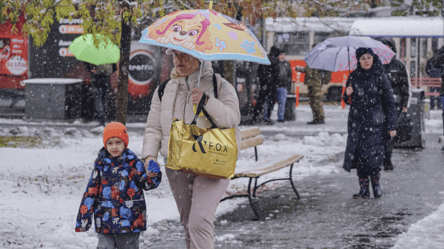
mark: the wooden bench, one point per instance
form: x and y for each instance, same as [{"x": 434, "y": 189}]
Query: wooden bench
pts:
[
  {"x": 252, "y": 138},
  {"x": 427, "y": 82}
]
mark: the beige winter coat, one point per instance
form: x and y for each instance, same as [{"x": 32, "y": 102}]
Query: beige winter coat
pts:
[{"x": 176, "y": 104}]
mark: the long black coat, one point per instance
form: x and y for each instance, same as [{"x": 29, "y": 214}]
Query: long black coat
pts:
[
  {"x": 372, "y": 113},
  {"x": 399, "y": 80}
]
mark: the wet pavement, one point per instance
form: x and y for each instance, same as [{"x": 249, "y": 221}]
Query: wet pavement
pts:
[{"x": 326, "y": 216}]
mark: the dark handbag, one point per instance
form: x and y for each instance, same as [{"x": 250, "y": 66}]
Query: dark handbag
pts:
[{"x": 404, "y": 128}]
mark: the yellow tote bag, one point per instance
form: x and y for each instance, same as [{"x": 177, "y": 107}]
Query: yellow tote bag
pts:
[{"x": 211, "y": 152}]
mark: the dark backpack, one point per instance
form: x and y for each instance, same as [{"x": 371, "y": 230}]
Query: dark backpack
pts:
[{"x": 163, "y": 85}]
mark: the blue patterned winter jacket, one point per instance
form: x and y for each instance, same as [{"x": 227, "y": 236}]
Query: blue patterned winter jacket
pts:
[{"x": 115, "y": 195}]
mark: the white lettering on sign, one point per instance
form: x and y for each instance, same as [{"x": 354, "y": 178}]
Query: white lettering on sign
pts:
[
  {"x": 63, "y": 43},
  {"x": 18, "y": 40},
  {"x": 17, "y": 65},
  {"x": 16, "y": 46},
  {"x": 71, "y": 29},
  {"x": 141, "y": 67},
  {"x": 73, "y": 21},
  {"x": 15, "y": 51}
]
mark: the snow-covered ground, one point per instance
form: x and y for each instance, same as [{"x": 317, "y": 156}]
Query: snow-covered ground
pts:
[{"x": 41, "y": 187}]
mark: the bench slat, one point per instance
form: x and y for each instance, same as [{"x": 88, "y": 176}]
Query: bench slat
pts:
[
  {"x": 251, "y": 142},
  {"x": 277, "y": 166},
  {"x": 250, "y": 132}
]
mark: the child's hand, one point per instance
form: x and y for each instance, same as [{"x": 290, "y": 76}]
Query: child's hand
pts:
[{"x": 153, "y": 168}]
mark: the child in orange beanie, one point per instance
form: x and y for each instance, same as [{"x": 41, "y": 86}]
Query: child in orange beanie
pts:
[{"x": 114, "y": 193}]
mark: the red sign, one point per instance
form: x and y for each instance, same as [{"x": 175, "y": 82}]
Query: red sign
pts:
[
  {"x": 336, "y": 77},
  {"x": 13, "y": 55}
]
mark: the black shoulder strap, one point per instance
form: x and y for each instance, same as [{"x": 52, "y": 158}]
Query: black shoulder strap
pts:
[
  {"x": 215, "y": 85},
  {"x": 161, "y": 89},
  {"x": 163, "y": 85}
]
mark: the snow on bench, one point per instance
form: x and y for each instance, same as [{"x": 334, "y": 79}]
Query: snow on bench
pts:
[{"x": 252, "y": 137}]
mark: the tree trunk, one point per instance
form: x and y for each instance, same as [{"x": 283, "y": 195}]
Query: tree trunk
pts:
[
  {"x": 228, "y": 71},
  {"x": 122, "y": 92}
]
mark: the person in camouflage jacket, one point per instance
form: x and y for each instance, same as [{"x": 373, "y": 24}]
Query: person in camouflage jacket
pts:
[{"x": 314, "y": 79}]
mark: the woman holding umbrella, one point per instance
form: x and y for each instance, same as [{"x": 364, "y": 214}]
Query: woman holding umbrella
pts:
[
  {"x": 372, "y": 113},
  {"x": 195, "y": 38},
  {"x": 196, "y": 196}
]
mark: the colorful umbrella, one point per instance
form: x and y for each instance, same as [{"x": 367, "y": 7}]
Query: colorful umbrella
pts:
[
  {"x": 206, "y": 35},
  {"x": 84, "y": 49},
  {"x": 338, "y": 54}
]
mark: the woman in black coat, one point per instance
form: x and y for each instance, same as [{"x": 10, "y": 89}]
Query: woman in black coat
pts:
[{"x": 372, "y": 113}]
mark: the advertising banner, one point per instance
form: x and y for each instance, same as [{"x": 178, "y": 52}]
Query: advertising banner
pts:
[
  {"x": 53, "y": 59},
  {"x": 13, "y": 55},
  {"x": 144, "y": 67}
]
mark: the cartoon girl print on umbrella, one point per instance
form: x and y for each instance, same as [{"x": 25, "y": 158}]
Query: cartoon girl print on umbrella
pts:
[
  {"x": 187, "y": 30},
  {"x": 206, "y": 35}
]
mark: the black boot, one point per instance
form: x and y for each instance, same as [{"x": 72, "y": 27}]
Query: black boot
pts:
[
  {"x": 316, "y": 121},
  {"x": 364, "y": 192},
  {"x": 376, "y": 175},
  {"x": 388, "y": 164}
]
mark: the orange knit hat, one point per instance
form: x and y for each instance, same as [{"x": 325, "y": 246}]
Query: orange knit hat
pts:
[{"x": 115, "y": 129}]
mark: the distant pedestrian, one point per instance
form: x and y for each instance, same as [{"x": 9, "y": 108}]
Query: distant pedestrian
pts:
[
  {"x": 400, "y": 81},
  {"x": 268, "y": 77},
  {"x": 372, "y": 114},
  {"x": 101, "y": 87},
  {"x": 314, "y": 79},
  {"x": 434, "y": 70},
  {"x": 284, "y": 85},
  {"x": 114, "y": 195},
  {"x": 439, "y": 62}
]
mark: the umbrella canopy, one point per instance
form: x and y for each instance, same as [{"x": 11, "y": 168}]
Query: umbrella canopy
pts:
[
  {"x": 84, "y": 49},
  {"x": 338, "y": 54},
  {"x": 206, "y": 35}
]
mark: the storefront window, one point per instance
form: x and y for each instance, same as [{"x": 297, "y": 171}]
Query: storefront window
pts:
[
  {"x": 296, "y": 43},
  {"x": 321, "y": 36},
  {"x": 412, "y": 69},
  {"x": 434, "y": 44},
  {"x": 424, "y": 48},
  {"x": 413, "y": 47},
  {"x": 403, "y": 50}
]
